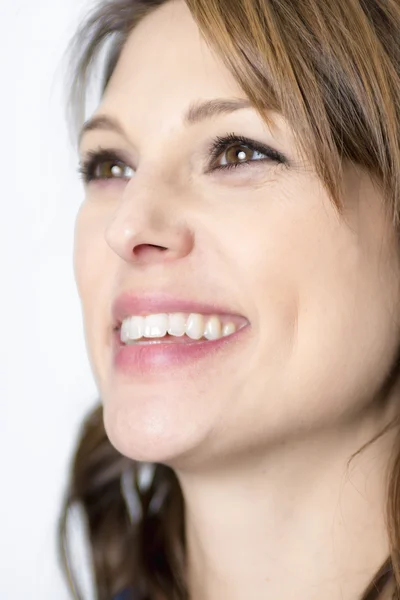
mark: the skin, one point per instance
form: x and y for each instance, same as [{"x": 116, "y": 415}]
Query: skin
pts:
[{"x": 260, "y": 438}]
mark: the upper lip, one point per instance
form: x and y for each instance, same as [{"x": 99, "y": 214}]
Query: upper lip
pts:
[{"x": 130, "y": 303}]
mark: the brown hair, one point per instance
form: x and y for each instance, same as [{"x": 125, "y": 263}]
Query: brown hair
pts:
[{"x": 332, "y": 69}]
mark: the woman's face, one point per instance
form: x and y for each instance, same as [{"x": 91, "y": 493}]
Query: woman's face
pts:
[{"x": 262, "y": 240}]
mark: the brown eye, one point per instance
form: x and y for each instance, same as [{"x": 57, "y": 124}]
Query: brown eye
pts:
[
  {"x": 104, "y": 165},
  {"x": 239, "y": 153},
  {"x": 233, "y": 151},
  {"x": 108, "y": 169}
]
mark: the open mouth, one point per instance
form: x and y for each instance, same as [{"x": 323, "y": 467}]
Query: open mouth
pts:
[
  {"x": 178, "y": 327},
  {"x": 168, "y": 352}
]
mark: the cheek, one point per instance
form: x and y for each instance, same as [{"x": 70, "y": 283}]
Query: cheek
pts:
[
  {"x": 92, "y": 277},
  {"x": 80, "y": 249},
  {"x": 88, "y": 249},
  {"x": 323, "y": 304},
  {"x": 345, "y": 339}
]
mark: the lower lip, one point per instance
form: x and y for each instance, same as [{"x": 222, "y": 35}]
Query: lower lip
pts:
[{"x": 145, "y": 358}]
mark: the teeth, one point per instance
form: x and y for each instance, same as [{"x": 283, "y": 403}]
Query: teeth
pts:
[
  {"x": 155, "y": 326},
  {"x": 213, "y": 329},
  {"x": 136, "y": 328},
  {"x": 177, "y": 324},
  {"x": 125, "y": 331},
  {"x": 194, "y": 326},
  {"x": 228, "y": 328}
]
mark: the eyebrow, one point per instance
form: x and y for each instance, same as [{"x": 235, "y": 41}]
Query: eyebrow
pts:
[{"x": 197, "y": 112}]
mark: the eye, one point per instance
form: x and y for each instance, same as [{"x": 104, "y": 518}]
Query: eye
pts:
[
  {"x": 239, "y": 153},
  {"x": 235, "y": 150},
  {"x": 104, "y": 165}
]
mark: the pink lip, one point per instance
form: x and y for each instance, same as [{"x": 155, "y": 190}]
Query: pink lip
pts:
[{"x": 161, "y": 357}]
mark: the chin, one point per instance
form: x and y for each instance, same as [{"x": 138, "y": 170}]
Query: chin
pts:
[{"x": 150, "y": 436}]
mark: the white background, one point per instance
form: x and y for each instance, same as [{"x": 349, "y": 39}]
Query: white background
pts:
[{"x": 46, "y": 384}]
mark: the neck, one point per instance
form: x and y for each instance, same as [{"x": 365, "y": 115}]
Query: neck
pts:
[{"x": 298, "y": 523}]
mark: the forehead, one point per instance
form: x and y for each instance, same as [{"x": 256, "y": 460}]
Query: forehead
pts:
[{"x": 166, "y": 65}]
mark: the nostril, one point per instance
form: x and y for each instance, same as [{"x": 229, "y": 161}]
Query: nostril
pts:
[{"x": 143, "y": 249}]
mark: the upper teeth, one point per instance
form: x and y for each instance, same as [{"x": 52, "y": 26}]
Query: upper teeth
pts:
[{"x": 194, "y": 325}]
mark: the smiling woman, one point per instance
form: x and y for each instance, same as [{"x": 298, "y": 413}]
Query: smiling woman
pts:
[{"x": 237, "y": 260}]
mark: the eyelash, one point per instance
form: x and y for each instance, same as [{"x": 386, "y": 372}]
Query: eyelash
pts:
[{"x": 93, "y": 158}]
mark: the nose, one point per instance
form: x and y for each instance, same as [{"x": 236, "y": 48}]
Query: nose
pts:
[{"x": 149, "y": 225}]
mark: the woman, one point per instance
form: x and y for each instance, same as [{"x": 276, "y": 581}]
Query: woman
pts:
[{"x": 237, "y": 258}]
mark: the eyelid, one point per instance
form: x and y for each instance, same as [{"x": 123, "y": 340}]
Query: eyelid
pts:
[
  {"x": 222, "y": 144},
  {"x": 111, "y": 151},
  {"x": 93, "y": 157}
]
